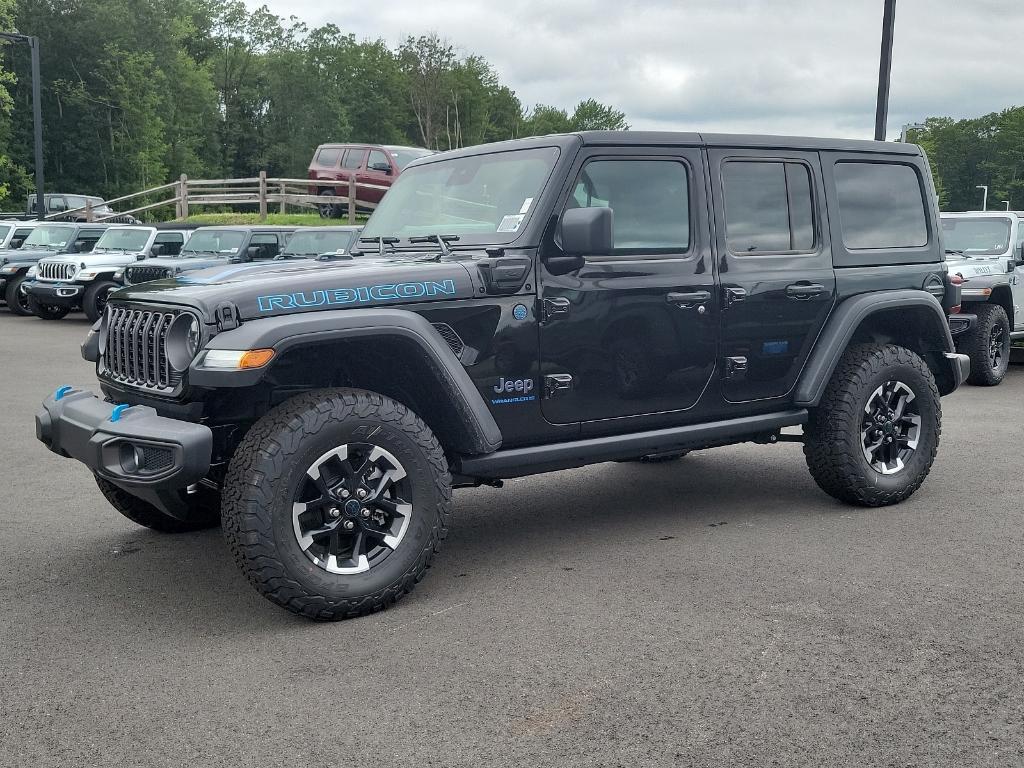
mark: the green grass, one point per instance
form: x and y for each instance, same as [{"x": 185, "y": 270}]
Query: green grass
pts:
[{"x": 282, "y": 219}]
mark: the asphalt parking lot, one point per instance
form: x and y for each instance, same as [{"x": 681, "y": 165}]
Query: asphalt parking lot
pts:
[{"x": 714, "y": 611}]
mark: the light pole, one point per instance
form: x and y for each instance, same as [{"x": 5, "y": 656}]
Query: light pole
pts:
[
  {"x": 37, "y": 113},
  {"x": 884, "y": 70},
  {"x": 984, "y": 199}
]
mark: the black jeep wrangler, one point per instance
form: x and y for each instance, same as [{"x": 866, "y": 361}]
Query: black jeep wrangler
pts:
[{"x": 520, "y": 308}]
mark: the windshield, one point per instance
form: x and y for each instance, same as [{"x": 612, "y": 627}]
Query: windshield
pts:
[
  {"x": 405, "y": 156},
  {"x": 49, "y": 236},
  {"x": 124, "y": 239},
  {"x": 989, "y": 236},
  {"x": 481, "y": 198},
  {"x": 315, "y": 243},
  {"x": 224, "y": 241}
]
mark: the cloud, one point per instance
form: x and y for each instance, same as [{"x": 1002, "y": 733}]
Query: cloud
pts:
[{"x": 759, "y": 66}]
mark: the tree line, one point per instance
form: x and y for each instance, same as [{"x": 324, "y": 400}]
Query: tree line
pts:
[
  {"x": 986, "y": 150},
  {"x": 136, "y": 92}
]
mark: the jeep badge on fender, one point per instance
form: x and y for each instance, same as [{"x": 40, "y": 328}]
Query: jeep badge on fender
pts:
[{"x": 323, "y": 413}]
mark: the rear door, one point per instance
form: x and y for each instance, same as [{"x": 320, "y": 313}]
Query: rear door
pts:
[
  {"x": 775, "y": 261},
  {"x": 352, "y": 164},
  {"x": 634, "y": 332}
]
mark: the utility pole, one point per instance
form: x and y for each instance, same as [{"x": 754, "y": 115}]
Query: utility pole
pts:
[
  {"x": 984, "y": 199},
  {"x": 37, "y": 113},
  {"x": 884, "y": 70}
]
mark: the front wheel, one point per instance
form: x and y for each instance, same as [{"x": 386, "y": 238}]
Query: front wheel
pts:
[
  {"x": 988, "y": 346},
  {"x": 95, "y": 299},
  {"x": 47, "y": 311},
  {"x": 17, "y": 300},
  {"x": 335, "y": 502},
  {"x": 873, "y": 437}
]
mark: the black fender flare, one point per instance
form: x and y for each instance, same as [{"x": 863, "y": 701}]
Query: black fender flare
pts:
[
  {"x": 282, "y": 333},
  {"x": 844, "y": 322}
]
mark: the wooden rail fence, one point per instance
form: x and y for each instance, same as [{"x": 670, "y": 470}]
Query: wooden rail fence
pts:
[{"x": 259, "y": 191}]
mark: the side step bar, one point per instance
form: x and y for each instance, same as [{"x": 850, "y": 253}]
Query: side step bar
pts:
[{"x": 533, "y": 460}]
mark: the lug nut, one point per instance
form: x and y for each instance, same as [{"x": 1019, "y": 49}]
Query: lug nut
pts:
[
  {"x": 344, "y": 493},
  {"x": 349, "y": 525},
  {"x": 335, "y": 512},
  {"x": 364, "y": 512},
  {"x": 361, "y": 493}
]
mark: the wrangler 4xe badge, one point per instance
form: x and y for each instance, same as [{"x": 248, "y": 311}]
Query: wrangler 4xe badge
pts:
[
  {"x": 515, "y": 391},
  {"x": 360, "y": 295}
]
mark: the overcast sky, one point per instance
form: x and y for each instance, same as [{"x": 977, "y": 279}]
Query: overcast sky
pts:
[{"x": 780, "y": 66}]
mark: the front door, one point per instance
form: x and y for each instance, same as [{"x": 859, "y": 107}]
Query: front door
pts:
[
  {"x": 775, "y": 265},
  {"x": 634, "y": 332}
]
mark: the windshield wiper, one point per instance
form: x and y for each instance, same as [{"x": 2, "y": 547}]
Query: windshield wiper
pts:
[
  {"x": 381, "y": 242},
  {"x": 441, "y": 240},
  {"x": 957, "y": 252}
]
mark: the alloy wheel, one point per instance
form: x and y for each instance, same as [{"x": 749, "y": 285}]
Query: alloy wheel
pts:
[
  {"x": 891, "y": 427},
  {"x": 351, "y": 508}
]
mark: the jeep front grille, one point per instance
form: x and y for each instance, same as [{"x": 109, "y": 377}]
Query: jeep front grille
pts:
[
  {"x": 143, "y": 274},
  {"x": 57, "y": 270},
  {"x": 136, "y": 348}
]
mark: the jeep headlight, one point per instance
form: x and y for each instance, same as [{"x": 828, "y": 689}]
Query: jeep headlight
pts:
[
  {"x": 119, "y": 275},
  {"x": 33, "y": 272},
  {"x": 184, "y": 338}
]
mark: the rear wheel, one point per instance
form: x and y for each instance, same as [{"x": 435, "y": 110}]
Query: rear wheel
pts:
[
  {"x": 17, "y": 301},
  {"x": 988, "y": 345},
  {"x": 873, "y": 437},
  {"x": 204, "y": 514},
  {"x": 47, "y": 311},
  {"x": 327, "y": 209},
  {"x": 95, "y": 299},
  {"x": 335, "y": 502}
]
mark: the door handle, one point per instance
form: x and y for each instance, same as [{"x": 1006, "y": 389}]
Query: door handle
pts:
[
  {"x": 804, "y": 290},
  {"x": 686, "y": 300}
]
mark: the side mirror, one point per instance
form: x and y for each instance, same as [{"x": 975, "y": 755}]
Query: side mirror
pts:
[
  {"x": 156, "y": 250},
  {"x": 252, "y": 253},
  {"x": 587, "y": 232},
  {"x": 381, "y": 167}
]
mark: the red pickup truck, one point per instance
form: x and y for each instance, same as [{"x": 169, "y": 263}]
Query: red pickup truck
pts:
[{"x": 372, "y": 165}]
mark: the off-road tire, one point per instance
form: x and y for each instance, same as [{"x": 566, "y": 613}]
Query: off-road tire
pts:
[
  {"x": 205, "y": 513},
  {"x": 90, "y": 300},
  {"x": 17, "y": 302},
  {"x": 975, "y": 344},
  {"x": 270, "y": 462},
  {"x": 47, "y": 311},
  {"x": 833, "y": 444}
]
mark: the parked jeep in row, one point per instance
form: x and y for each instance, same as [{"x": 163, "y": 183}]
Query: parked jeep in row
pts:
[
  {"x": 985, "y": 252},
  {"x": 212, "y": 247},
  {"x": 46, "y": 240},
  {"x": 57, "y": 285},
  {"x": 324, "y": 412}
]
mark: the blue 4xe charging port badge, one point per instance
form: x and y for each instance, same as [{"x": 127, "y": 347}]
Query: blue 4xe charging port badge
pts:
[{"x": 520, "y": 312}]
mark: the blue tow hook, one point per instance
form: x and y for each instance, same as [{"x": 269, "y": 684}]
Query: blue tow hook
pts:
[
  {"x": 115, "y": 415},
  {"x": 61, "y": 391}
]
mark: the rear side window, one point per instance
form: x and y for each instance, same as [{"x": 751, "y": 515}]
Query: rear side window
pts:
[
  {"x": 353, "y": 159},
  {"x": 328, "y": 157},
  {"x": 881, "y": 205},
  {"x": 768, "y": 207},
  {"x": 650, "y": 200}
]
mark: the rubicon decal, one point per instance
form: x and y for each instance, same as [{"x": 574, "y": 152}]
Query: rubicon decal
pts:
[{"x": 360, "y": 295}]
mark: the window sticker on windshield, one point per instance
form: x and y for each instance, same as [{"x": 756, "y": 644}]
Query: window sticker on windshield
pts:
[
  {"x": 511, "y": 223},
  {"x": 526, "y": 205}
]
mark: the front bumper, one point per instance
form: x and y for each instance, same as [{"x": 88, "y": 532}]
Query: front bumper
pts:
[
  {"x": 960, "y": 365},
  {"x": 60, "y": 294},
  {"x": 149, "y": 456}
]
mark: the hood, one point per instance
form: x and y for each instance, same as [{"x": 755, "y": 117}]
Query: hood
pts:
[
  {"x": 282, "y": 288},
  {"x": 27, "y": 255},
  {"x": 183, "y": 264},
  {"x": 976, "y": 267},
  {"x": 92, "y": 259}
]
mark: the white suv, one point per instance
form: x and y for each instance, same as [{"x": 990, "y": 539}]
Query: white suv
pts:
[{"x": 61, "y": 284}]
